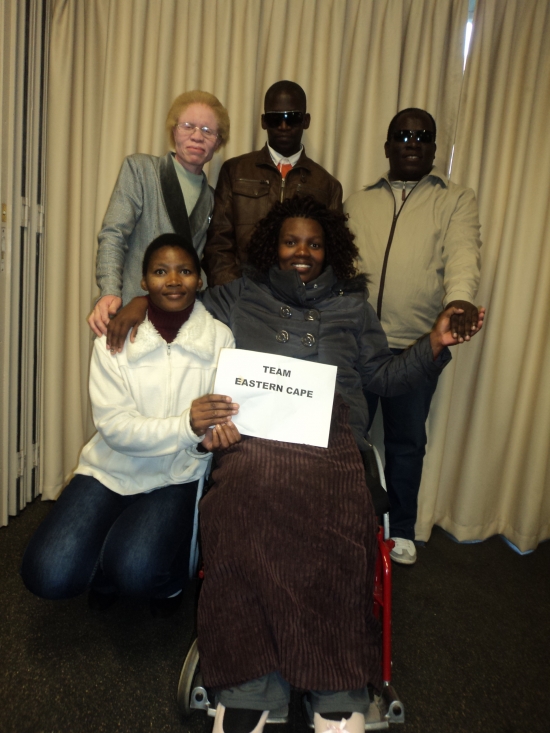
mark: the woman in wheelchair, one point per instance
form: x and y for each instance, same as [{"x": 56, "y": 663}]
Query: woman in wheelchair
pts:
[{"x": 288, "y": 530}]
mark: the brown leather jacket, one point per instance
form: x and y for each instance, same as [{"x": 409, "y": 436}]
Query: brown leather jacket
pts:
[{"x": 248, "y": 186}]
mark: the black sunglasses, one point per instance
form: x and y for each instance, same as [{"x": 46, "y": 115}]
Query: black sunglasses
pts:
[
  {"x": 292, "y": 119},
  {"x": 421, "y": 136}
]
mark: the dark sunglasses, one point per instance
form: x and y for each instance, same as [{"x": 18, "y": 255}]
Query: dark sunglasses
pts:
[
  {"x": 421, "y": 136},
  {"x": 292, "y": 119}
]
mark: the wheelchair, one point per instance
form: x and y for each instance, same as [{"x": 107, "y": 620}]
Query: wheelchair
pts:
[{"x": 387, "y": 708}]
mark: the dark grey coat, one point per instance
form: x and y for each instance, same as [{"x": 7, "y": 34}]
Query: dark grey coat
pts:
[{"x": 325, "y": 321}]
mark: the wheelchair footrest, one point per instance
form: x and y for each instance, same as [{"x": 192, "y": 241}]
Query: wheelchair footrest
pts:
[
  {"x": 390, "y": 706},
  {"x": 201, "y": 701},
  {"x": 386, "y": 708}
]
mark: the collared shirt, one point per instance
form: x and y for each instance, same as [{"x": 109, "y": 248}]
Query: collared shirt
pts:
[{"x": 278, "y": 158}]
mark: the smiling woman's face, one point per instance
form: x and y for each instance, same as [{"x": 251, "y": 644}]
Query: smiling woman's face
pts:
[
  {"x": 172, "y": 279},
  {"x": 302, "y": 247}
]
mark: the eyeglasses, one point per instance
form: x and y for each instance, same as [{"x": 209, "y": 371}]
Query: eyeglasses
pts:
[
  {"x": 189, "y": 128},
  {"x": 292, "y": 119},
  {"x": 420, "y": 136}
]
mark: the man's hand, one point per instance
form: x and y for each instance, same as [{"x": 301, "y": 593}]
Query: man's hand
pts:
[
  {"x": 221, "y": 436},
  {"x": 210, "y": 410},
  {"x": 105, "y": 308},
  {"x": 464, "y": 323},
  {"x": 442, "y": 333},
  {"x": 129, "y": 317}
]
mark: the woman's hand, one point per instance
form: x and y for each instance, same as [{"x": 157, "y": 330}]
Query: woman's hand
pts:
[
  {"x": 129, "y": 317},
  {"x": 105, "y": 309},
  {"x": 210, "y": 410},
  {"x": 444, "y": 332},
  {"x": 221, "y": 436}
]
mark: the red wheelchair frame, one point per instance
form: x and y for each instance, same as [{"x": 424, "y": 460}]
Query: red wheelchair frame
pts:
[{"x": 390, "y": 706}]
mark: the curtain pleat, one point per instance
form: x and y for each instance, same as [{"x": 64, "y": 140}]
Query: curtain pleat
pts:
[
  {"x": 487, "y": 468},
  {"x": 115, "y": 67}
]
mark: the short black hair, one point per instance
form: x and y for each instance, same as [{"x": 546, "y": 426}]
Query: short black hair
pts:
[
  {"x": 411, "y": 110},
  {"x": 170, "y": 240},
  {"x": 340, "y": 250},
  {"x": 285, "y": 86}
]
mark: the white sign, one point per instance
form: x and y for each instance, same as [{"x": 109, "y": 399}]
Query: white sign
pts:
[{"x": 279, "y": 398}]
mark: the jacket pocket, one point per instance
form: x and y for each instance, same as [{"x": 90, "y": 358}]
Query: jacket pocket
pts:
[
  {"x": 251, "y": 188},
  {"x": 251, "y": 202}
]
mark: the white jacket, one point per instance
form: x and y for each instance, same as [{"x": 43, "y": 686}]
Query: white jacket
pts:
[{"x": 141, "y": 400}]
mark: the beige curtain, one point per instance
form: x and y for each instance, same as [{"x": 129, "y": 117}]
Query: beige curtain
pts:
[
  {"x": 487, "y": 469},
  {"x": 116, "y": 66}
]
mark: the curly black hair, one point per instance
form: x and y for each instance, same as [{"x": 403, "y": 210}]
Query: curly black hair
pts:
[{"x": 340, "y": 251}]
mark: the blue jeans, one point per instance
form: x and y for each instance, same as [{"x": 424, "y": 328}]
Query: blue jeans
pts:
[
  {"x": 138, "y": 545},
  {"x": 405, "y": 441},
  {"x": 272, "y": 692}
]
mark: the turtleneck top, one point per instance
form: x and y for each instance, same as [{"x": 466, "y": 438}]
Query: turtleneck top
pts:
[{"x": 167, "y": 323}]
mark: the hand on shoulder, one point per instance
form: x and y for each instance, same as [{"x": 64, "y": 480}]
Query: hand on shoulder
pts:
[
  {"x": 105, "y": 309},
  {"x": 128, "y": 318}
]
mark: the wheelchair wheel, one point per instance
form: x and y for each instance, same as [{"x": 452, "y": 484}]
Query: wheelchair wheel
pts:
[{"x": 188, "y": 678}]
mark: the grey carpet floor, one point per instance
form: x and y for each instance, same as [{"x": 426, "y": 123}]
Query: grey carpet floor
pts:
[{"x": 471, "y": 648}]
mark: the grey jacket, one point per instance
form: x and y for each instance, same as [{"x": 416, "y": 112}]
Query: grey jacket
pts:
[
  {"x": 420, "y": 257},
  {"x": 328, "y": 322},
  {"x": 147, "y": 201}
]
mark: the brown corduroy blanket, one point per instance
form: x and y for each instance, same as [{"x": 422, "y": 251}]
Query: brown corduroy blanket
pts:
[{"x": 289, "y": 545}]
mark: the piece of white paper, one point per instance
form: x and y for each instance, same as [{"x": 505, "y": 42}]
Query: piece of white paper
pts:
[{"x": 279, "y": 398}]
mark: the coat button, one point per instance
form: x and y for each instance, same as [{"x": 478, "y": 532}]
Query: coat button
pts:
[
  {"x": 311, "y": 315},
  {"x": 308, "y": 339},
  {"x": 285, "y": 312},
  {"x": 282, "y": 337}
]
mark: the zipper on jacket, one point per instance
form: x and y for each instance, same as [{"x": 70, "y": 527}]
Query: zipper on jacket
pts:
[
  {"x": 388, "y": 247},
  {"x": 169, "y": 352}
]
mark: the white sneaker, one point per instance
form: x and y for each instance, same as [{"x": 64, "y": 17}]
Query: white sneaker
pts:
[
  {"x": 404, "y": 551},
  {"x": 354, "y": 724}
]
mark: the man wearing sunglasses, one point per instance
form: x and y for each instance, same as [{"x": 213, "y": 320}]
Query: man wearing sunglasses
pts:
[
  {"x": 250, "y": 184},
  {"x": 418, "y": 237}
]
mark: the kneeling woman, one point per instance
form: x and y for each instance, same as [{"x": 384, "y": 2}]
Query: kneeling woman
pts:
[
  {"x": 125, "y": 521},
  {"x": 288, "y": 530}
]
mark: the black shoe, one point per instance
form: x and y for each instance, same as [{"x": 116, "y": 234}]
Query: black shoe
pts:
[
  {"x": 165, "y": 607},
  {"x": 101, "y": 601}
]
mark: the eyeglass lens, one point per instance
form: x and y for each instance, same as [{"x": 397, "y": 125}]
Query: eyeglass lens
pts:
[
  {"x": 421, "y": 136},
  {"x": 189, "y": 127},
  {"x": 292, "y": 119}
]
